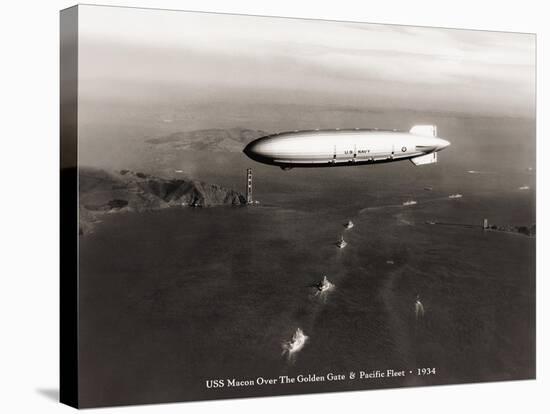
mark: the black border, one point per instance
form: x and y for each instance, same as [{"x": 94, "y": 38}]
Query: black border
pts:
[{"x": 68, "y": 286}]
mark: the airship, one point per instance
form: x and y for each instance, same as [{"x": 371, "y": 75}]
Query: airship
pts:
[{"x": 346, "y": 147}]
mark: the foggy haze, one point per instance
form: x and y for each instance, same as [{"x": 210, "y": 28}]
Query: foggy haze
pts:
[
  {"x": 149, "y": 73},
  {"x": 129, "y": 54}
]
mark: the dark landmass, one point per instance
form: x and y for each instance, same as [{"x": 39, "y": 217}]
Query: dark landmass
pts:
[
  {"x": 526, "y": 230},
  {"x": 530, "y": 230},
  {"x": 232, "y": 140},
  {"x": 102, "y": 192}
]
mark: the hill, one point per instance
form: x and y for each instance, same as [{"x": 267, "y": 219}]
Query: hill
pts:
[
  {"x": 102, "y": 192},
  {"x": 231, "y": 140}
]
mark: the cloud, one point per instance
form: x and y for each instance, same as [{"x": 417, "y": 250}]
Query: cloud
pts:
[{"x": 398, "y": 65}]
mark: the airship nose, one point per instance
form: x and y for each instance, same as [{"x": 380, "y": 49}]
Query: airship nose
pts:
[
  {"x": 248, "y": 149},
  {"x": 254, "y": 151}
]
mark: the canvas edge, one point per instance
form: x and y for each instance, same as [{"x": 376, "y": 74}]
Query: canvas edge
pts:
[{"x": 68, "y": 283}]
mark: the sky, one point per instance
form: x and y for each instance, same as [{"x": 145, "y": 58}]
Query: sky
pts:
[{"x": 156, "y": 56}]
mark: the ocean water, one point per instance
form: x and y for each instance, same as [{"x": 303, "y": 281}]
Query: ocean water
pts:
[{"x": 173, "y": 298}]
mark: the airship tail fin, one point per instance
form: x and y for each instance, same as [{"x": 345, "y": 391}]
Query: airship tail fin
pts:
[
  {"x": 424, "y": 130},
  {"x": 425, "y": 159}
]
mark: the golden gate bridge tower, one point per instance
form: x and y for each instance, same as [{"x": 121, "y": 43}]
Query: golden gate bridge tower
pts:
[{"x": 249, "y": 186}]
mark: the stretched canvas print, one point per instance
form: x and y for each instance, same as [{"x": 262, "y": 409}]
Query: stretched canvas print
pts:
[{"x": 256, "y": 206}]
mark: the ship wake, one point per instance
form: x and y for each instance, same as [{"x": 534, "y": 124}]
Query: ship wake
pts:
[
  {"x": 295, "y": 345},
  {"x": 323, "y": 288},
  {"x": 418, "y": 309}
]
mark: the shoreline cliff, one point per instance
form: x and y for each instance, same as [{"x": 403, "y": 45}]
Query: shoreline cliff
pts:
[{"x": 102, "y": 192}]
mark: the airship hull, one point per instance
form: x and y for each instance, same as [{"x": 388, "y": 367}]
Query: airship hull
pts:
[{"x": 332, "y": 148}]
